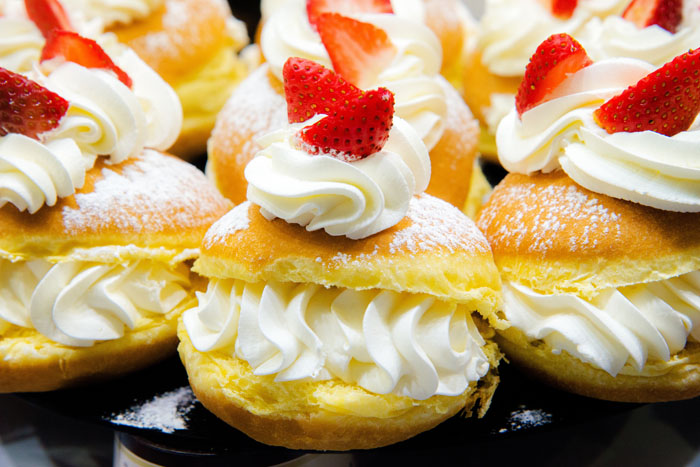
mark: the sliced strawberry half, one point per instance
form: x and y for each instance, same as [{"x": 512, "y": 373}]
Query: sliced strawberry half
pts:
[
  {"x": 47, "y": 15},
  {"x": 315, "y": 8},
  {"x": 311, "y": 89},
  {"x": 358, "y": 51},
  {"x": 559, "y": 56},
  {"x": 354, "y": 132},
  {"x": 81, "y": 50},
  {"x": 664, "y": 13},
  {"x": 27, "y": 107},
  {"x": 666, "y": 101},
  {"x": 562, "y": 9}
]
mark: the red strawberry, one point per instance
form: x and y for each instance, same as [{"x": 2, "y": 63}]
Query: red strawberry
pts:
[
  {"x": 26, "y": 107},
  {"x": 563, "y": 9},
  {"x": 555, "y": 59},
  {"x": 354, "y": 132},
  {"x": 311, "y": 89},
  {"x": 47, "y": 15},
  {"x": 315, "y": 8},
  {"x": 666, "y": 101},
  {"x": 82, "y": 51},
  {"x": 359, "y": 51},
  {"x": 665, "y": 13}
]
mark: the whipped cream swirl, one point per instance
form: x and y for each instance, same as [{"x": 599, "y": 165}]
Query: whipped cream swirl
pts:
[
  {"x": 104, "y": 118},
  {"x": 81, "y": 303},
  {"x": 384, "y": 341},
  {"x": 20, "y": 44},
  {"x": 644, "y": 167},
  {"x": 619, "y": 330},
  {"x": 355, "y": 199},
  {"x": 413, "y": 75}
]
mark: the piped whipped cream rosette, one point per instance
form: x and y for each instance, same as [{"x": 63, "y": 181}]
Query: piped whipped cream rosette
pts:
[
  {"x": 87, "y": 105},
  {"x": 511, "y": 30},
  {"x": 406, "y": 59},
  {"x": 618, "y": 127},
  {"x": 339, "y": 314}
]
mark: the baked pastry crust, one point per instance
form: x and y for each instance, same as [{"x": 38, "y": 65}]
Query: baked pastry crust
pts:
[{"x": 257, "y": 106}]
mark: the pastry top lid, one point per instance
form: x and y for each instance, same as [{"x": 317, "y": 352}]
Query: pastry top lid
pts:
[
  {"x": 552, "y": 234},
  {"x": 435, "y": 249},
  {"x": 151, "y": 205}
]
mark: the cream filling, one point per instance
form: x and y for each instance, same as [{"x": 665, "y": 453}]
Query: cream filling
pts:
[
  {"x": 620, "y": 330},
  {"x": 80, "y": 303},
  {"x": 386, "y": 342}
]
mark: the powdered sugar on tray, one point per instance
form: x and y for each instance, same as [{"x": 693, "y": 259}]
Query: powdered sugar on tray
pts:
[
  {"x": 235, "y": 220},
  {"x": 437, "y": 225},
  {"x": 166, "y": 412},
  {"x": 523, "y": 418},
  {"x": 540, "y": 215},
  {"x": 152, "y": 192}
]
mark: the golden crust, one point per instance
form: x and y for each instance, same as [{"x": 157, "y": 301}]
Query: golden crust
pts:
[
  {"x": 109, "y": 211},
  {"x": 554, "y": 236},
  {"x": 680, "y": 379},
  {"x": 257, "y": 106},
  {"x": 435, "y": 249},
  {"x": 297, "y": 414},
  {"x": 30, "y": 362}
]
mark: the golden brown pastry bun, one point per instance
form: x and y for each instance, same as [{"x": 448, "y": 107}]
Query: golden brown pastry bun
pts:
[
  {"x": 554, "y": 237},
  {"x": 257, "y": 106},
  {"x": 435, "y": 250},
  {"x": 191, "y": 45},
  {"x": 152, "y": 209}
]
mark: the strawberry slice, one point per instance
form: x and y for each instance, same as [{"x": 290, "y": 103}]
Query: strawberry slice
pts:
[
  {"x": 664, "y": 13},
  {"x": 562, "y": 9},
  {"x": 47, "y": 15},
  {"x": 81, "y": 50},
  {"x": 315, "y": 8},
  {"x": 311, "y": 89},
  {"x": 354, "y": 132},
  {"x": 358, "y": 51},
  {"x": 27, "y": 107},
  {"x": 666, "y": 101},
  {"x": 555, "y": 59}
]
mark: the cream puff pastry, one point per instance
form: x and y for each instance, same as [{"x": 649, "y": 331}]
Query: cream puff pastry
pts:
[{"x": 92, "y": 287}]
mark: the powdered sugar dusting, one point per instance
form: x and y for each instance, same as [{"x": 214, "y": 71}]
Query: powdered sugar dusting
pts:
[
  {"x": 437, "y": 225},
  {"x": 235, "y": 220},
  {"x": 152, "y": 193},
  {"x": 524, "y": 418},
  {"x": 522, "y": 211},
  {"x": 167, "y": 412},
  {"x": 252, "y": 111}
]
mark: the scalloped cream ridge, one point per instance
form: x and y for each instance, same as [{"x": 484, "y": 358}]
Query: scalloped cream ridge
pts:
[
  {"x": 386, "y": 342},
  {"x": 78, "y": 303},
  {"x": 412, "y": 75},
  {"x": 644, "y": 167},
  {"x": 355, "y": 199},
  {"x": 619, "y": 330}
]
